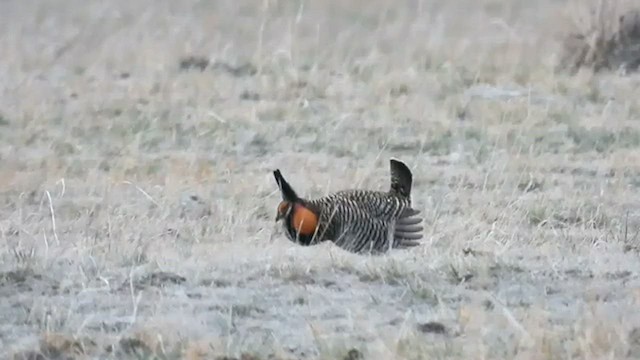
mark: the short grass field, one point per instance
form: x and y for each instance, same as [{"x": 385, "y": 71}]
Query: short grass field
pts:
[{"x": 137, "y": 201}]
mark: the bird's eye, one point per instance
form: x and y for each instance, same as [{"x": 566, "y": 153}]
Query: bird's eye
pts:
[{"x": 282, "y": 207}]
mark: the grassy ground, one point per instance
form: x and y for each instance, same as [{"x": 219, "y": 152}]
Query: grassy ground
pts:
[{"x": 137, "y": 200}]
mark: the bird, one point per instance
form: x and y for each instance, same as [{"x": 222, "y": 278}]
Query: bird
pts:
[{"x": 356, "y": 220}]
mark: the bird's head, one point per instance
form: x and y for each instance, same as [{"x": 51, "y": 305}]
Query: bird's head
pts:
[{"x": 294, "y": 210}]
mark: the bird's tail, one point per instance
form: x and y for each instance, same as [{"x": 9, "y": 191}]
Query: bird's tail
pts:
[{"x": 401, "y": 178}]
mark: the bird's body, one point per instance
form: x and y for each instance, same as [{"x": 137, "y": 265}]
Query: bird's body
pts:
[{"x": 356, "y": 220}]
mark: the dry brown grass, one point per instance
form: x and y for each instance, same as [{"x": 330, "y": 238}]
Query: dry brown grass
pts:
[
  {"x": 137, "y": 140},
  {"x": 606, "y": 36}
]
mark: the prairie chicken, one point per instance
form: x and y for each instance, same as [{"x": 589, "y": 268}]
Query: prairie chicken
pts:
[{"x": 358, "y": 221}]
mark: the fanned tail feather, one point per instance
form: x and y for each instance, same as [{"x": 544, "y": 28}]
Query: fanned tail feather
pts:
[
  {"x": 408, "y": 229},
  {"x": 401, "y": 178}
]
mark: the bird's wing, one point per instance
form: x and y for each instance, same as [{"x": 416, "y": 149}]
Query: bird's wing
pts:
[{"x": 356, "y": 230}]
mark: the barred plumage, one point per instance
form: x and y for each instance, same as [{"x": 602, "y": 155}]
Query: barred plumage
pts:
[{"x": 356, "y": 220}]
